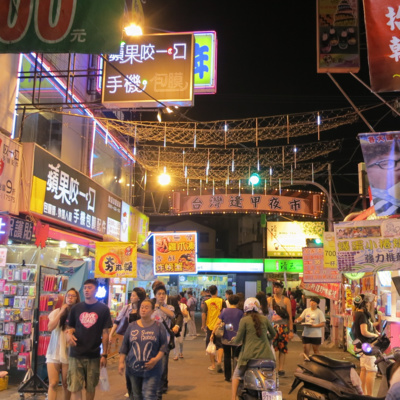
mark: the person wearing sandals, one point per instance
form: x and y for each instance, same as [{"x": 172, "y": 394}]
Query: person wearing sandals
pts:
[
  {"x": 143, "y": 347},
  {"x": 253, "y": 332},
  {"x": 178, "y": 350},
  {"x": 57, "y": 352}
]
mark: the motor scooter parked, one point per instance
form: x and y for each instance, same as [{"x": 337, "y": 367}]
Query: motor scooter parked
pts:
[
  {"x": 324, "y": 378},
  {"x": 260, "y": 381}
]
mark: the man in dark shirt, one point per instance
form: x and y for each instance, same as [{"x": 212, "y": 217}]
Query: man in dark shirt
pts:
[{"x": 88, "y": 323}]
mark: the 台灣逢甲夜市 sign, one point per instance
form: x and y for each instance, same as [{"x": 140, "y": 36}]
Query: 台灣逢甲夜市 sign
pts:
[
  {"x": 61, "y": 193},
  {"x": 182, "y": 204},
  {"x": 150, "y": 67},
  {"x": 67, "y": 26}
]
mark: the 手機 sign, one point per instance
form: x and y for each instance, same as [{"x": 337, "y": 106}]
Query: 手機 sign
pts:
[{"x": 150, "y": 71}]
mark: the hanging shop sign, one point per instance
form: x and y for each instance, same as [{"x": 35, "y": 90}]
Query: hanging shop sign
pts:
[
  {"x": 276, "y": 265},
  {"x": 329, "y": 250},
  {"x": 134, "y": 227},
  {"x": 368, "y": 246},
  {"x": 287, "y": 239},
  {"x": 115, "y": 260},
  {"x": 150, "y": 71},
  {"x": 338, "y": 47},
  {"x": 175, "y": 253},
  {"x": 382, "y": 22},
  {"x": 70, "y": 26},
  {"x": 314, "y": 269},
  {"x": 58, "y": 192},
  {"x": 235, "y": 203},
  {"x": 205, "y": 62},
  {"x": 381, "y": 152},
  {"x": 10, "y": 174},
  {"x": 328, "y": 290}
]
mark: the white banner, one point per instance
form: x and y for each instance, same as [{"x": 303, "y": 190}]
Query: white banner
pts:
[{"x": 10, "y": 174}]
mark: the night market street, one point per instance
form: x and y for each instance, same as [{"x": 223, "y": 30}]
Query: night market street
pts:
[{"x": 189, "y": 377}]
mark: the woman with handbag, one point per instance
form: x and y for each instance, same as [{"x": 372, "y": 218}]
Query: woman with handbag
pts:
[
  {"x": 144, "y": 346},
  {"x": 229, "y": 320},
  {"x": 129, "y": 313}
]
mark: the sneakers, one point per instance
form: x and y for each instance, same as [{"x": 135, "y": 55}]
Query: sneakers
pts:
[{"x": 219, "y": 368}]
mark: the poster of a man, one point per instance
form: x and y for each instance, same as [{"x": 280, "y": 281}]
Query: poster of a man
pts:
[{"x": 381, "y": 153}]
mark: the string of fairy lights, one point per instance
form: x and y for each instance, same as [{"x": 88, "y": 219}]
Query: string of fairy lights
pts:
[{"x": 225, "y": 153}]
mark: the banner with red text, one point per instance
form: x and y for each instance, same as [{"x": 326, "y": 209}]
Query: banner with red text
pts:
[
  {"x": 175, "y": 253},
  {"x": 328, "y": 290},
  {"x": 382, "y": 22}
]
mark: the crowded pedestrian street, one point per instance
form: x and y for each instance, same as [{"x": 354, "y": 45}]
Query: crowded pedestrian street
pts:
[{"x": 189, "y": 377}]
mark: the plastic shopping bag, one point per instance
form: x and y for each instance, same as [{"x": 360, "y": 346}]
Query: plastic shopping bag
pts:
[
  {"x": 211, "y": 349},
  {"x": 104, "y": 384}
]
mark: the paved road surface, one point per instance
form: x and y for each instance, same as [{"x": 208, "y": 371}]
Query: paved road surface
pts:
[{"x": 190, "y": 378}]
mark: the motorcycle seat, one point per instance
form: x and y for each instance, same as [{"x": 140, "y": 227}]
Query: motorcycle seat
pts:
[
  {"x": 331, "y": 363},
  {"x": 261, "y": 363}
]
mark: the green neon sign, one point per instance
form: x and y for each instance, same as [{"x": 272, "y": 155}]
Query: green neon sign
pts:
[{"x": 276, "y": 265}]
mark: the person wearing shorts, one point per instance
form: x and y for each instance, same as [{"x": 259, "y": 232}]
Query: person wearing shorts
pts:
[
  {"x": 88, "y": 324},
  {"x": 364, "y": 330},
  {"x": 314, "y": 321},
  {"x": 211, "y": 310}
]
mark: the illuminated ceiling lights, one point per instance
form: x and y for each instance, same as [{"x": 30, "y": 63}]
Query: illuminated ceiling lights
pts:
[
  {"x": 133, "y": 18},
  {"x": 164, "y": 179},
  {"x": 254, "y": 179}
]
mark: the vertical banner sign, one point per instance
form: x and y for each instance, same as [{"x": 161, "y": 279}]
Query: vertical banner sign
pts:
[
  {"x": 175, "y": 253},
  {"x": 115, "y": 260},
  {"x": 64, "y": 26},
  {"x": 338, "y": 47},
  {"x": 10, "y": 174},
  {"x": 381, "y": 153},
  {"x": 150, "y": 67},
  {"x": 313, "y": 267},
  {"x": 382, "y": 22},
  {"x": 329, "y": 250}
]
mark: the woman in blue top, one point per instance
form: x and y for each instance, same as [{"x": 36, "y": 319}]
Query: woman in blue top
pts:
[
  {"x": 144, "y": 345},
  {"x": 231, "y": 317}
]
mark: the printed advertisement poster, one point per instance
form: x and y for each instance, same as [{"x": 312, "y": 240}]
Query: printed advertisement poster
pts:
[
  {"x": 338, "y": 42},
  {"x": 10, "y": 174},
  {"x": 382, "y": 22},
  {"x": 287, "y": 239},
  {"x": 381, "y": 152},
  {"x": 115, "y": 260},
  {"x": 175, "y": 253},
  {"x": 368, "y": 246},
  {"x": 314, "y": 269}
]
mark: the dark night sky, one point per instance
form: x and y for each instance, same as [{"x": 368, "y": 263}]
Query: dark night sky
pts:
[{"x": 267, "y": 66}]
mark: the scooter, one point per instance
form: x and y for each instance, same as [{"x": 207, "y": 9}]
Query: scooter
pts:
[
  {"x": 324, "y": 378},
  {"x": 260, "y": 381}
]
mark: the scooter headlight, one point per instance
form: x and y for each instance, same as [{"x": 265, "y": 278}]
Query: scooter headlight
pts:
[{"x": 270, "y": 385}]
